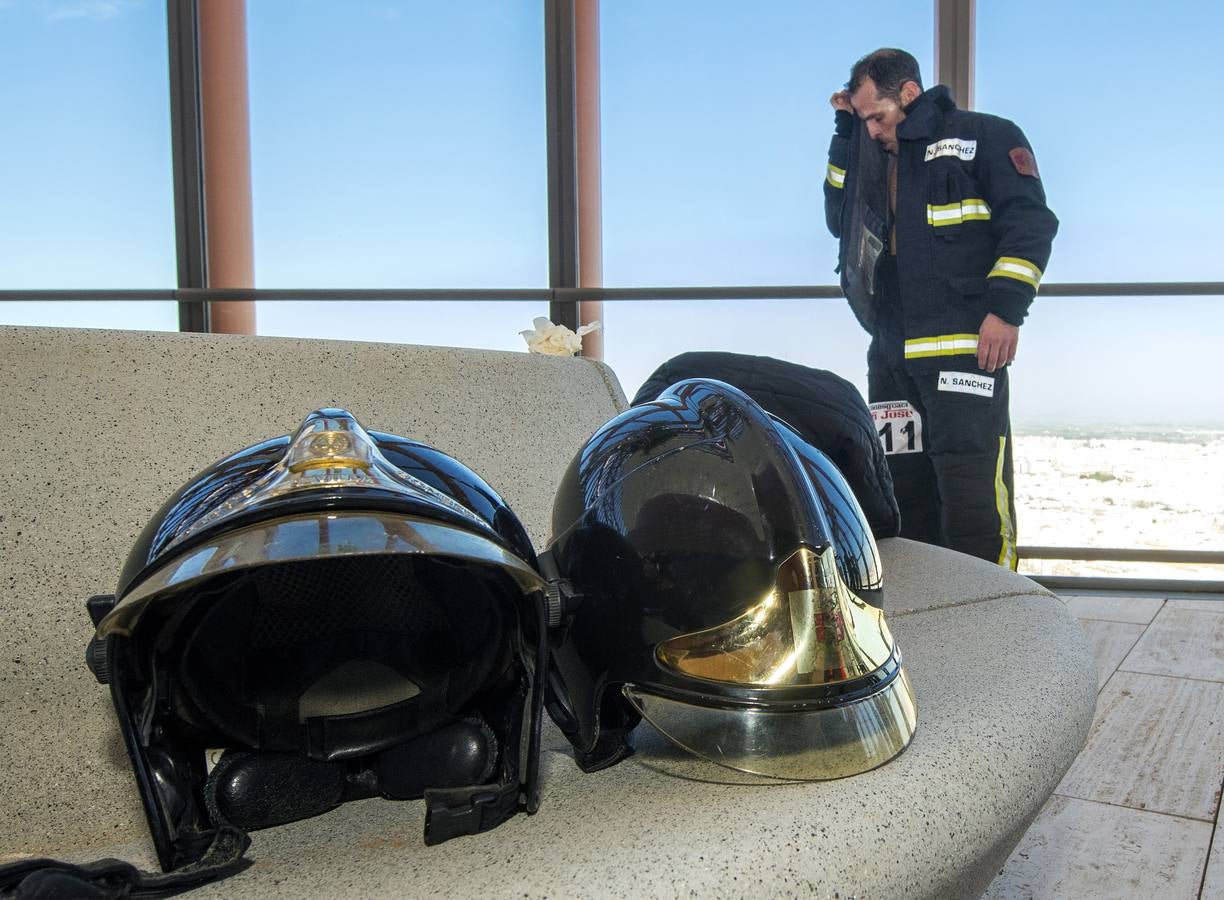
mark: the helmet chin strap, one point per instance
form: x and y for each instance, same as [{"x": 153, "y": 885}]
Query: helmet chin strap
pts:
[
  {"x": 470, "y": 810},
  {"x": 539, "y": 689},
  {"x": 113, "y": 878}
]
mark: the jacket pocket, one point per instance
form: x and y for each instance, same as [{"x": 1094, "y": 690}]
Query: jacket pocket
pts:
[
  {"x": 967, "y": 286},
  {"x": 956, "y": 209},
  {"x": 944, "y": 206}
]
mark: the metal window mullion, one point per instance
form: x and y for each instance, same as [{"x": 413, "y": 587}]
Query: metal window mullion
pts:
[
  {"x": 955, "y": 41},
  {"x": 186, "y": 144},
  {"x": 561, "y": 100}
]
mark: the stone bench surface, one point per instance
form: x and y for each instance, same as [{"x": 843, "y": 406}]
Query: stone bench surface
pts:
[{"x": 104, "y": 425}]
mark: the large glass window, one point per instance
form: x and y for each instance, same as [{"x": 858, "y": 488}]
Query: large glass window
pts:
[
  {"x": 1115, "y": 104},
  {"x": 1119, "y": 434},
  {"x": 86, "y": 190},
  {"x": 716, "y": 125},
  {"x": 1114, "y": 400},
  {"x": 809, "y": 332},
  {"x": 399, "y": 146}
]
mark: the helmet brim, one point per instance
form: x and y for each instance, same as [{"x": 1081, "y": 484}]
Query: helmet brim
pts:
[{"x": 309, "y": 536}]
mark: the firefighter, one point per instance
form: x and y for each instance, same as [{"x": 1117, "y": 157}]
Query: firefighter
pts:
[{"x": 944, "y": 232}]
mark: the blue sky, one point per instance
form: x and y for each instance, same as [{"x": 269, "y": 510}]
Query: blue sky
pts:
[{"x": 401, "y": 144}]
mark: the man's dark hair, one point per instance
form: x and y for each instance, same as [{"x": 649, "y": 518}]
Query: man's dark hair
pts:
[{"x": 889, "y": 68}]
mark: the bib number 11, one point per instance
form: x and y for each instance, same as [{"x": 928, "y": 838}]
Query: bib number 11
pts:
[
  {"x": 905, "y": 433},
  {"x": 898, "y": 425}
]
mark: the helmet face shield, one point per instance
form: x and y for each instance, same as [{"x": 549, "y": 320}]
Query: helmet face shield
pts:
[
  {"x": 320, "y": 618},
  {"x": 729, "y": 591},
  {"x": 791, "y": 744}
]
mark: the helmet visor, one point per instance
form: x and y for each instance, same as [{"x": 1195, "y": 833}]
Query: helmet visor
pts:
[{"x": 806, "y": 745}]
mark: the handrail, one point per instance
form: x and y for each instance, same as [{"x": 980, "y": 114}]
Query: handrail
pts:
[
  {"x": 1123, "y": 554},
  {"x": 561, "y": 295},
  {"x": 1163, "y": 586},
  {"x": 1127, "y": 584}
]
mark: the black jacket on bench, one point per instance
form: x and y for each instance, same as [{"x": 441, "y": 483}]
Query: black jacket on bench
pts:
[{"x": 824, "y": 408}]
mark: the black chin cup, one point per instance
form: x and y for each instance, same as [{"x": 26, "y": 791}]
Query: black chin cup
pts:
[
  {"x": 468, "y": 777},
  {"x": 259, "y": 790}
]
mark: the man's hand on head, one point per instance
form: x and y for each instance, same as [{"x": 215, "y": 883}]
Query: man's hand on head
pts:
[
  {"x": 841, "y": 100},
  {"x": 997, "y": 341}
]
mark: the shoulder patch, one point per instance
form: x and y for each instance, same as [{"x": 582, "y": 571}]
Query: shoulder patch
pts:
[{"x": 1024, "y": 162}]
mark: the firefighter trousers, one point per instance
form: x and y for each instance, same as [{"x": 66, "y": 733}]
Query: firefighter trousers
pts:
[{"x": 946, "y": 432}]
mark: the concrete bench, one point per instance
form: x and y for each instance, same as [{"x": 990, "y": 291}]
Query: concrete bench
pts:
[{"x": 101, "y": 426}]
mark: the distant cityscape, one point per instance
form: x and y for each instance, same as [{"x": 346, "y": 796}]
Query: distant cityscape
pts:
[
  {"x": 1167, "y": 433},
  {"x": 1120, "y": 486}
]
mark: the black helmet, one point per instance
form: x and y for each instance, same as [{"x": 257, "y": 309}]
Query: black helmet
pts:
[
  {"x": 329, "y": 616},
  {"x": 719, "y": 579}
]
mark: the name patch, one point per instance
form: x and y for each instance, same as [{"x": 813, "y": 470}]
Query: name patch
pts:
[
  {"x": 965, "y": 150},
  {"x": 967, "y": 383}
]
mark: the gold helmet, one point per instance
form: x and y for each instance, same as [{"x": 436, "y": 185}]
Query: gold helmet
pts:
[{"x": 718, "y": 578}]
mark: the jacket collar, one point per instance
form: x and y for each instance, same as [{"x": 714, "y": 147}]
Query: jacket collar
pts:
[{"x": 924, "y": 116}]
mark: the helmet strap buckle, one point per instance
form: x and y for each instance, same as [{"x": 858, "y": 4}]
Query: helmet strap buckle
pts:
[
  {"x": 559, "y": 595},
  {"x": 451, "y": 812}
]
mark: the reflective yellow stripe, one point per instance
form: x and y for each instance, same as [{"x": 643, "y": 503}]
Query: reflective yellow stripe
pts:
[
  {"x": 1019, "y": 269},
  {"x": 941, "y": 345},
  {"x": 836, "y": 177},
  {"x": 973, "y": 208},
  {"x": 1007, "y": 528}
]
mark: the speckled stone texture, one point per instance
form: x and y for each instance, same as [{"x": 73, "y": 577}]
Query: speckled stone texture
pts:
[{"x": 102, "y": 426}]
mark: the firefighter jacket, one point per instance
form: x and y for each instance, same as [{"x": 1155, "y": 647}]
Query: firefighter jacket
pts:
[{"x": 972, "y": 228}]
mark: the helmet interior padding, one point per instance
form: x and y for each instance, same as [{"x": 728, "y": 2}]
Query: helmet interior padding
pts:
[{"x": 342, "y": 656}]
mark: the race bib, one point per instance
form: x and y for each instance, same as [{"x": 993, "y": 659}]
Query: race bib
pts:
[{"x": 899, "y": 426}]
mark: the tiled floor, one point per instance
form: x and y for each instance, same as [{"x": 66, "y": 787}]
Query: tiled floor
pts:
[{"x": 1138, "y": 813}]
